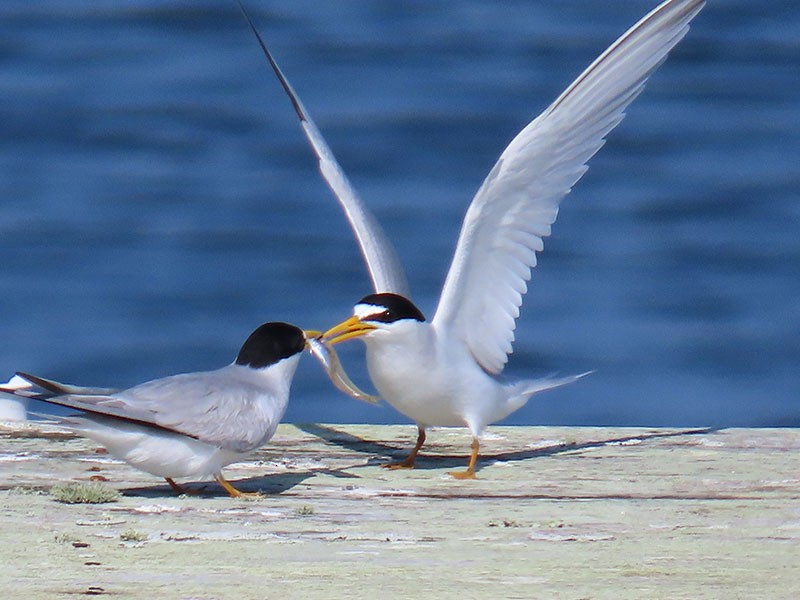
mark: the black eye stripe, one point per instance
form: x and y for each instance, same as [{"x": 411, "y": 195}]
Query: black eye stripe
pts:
[{"x": 384, "y": 317}]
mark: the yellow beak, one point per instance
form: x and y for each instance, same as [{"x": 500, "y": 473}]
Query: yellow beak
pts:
[{"x": 351, "y": 328}]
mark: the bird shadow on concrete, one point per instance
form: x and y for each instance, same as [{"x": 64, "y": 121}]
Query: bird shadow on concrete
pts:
[
  {"x": 336, "y": 437},
  {"x": 277, "y": 483},
  {"x": 269, "y": 485},
  {"x": 281, "y": 482},
  {"x": 383, "y": 450}
]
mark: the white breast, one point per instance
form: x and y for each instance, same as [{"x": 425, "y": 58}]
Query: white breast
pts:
[
  {"x": 424, "y": 380},
  {"x": 154, "y": 451}
]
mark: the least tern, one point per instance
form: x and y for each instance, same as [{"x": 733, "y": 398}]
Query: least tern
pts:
[
  {"x": 446, "y": 371},
  {"x": 193, "y": 424}
]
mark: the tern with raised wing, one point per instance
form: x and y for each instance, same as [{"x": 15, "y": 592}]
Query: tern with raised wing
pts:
[{"x": 447, "y": 371}]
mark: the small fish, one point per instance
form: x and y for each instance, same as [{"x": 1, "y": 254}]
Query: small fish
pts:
[{"x": 333, "y": 367}]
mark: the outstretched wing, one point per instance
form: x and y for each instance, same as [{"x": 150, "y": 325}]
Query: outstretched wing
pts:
[
  {"x": 383, "y": 265},
  {"x": 518, "y": 202}
]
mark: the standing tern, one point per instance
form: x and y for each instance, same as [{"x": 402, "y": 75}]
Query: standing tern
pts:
[
  {"x": 194, "y": 424},
  {"x": 446, "y": 371}
]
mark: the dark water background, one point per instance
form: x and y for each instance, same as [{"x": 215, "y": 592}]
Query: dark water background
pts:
[{"x": 158, "y": 201}]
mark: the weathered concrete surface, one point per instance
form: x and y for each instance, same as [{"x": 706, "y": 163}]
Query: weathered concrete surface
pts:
[{"x": 557, "y": 513}]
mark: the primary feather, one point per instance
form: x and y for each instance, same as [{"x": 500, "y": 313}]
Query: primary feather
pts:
[
  {"x": 518, "y": 202},
  {"x": 384, "y": 267}
]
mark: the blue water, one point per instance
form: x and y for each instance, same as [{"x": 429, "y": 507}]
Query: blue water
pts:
[{"x": 158, "y": 201}]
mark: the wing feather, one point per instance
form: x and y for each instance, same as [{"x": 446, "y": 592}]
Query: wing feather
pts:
[
  {"x": 384, "y": 267},
  {"x": 216, "y": 407},
  {"x": 518, "y": 201}
]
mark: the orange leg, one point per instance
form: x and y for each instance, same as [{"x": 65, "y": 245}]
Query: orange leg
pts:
[
  {"x": 473, "y": 459},
  {"x": 411, "y": 459},
  {"x": 234, "y": 493}
]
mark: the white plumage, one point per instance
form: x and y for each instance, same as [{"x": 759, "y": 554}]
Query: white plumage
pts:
[
  {"x": 446, "y": 372},
  {"x": 519, "y": 199}
]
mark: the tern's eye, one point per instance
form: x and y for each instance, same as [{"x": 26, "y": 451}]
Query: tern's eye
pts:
[{"x": 385, "y": 316}]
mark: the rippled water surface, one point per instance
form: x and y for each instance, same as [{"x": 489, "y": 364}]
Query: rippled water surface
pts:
[{"x": 158, "y": 201}]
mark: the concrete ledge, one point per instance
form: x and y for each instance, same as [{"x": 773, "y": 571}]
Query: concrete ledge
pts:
[{"x": 557, "y": 513}]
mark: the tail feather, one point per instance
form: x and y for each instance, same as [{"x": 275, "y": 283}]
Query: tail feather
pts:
[{"x": 521, "y": 391}]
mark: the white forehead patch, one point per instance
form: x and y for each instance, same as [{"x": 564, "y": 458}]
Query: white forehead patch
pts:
[{"x": 363, "y": 311}]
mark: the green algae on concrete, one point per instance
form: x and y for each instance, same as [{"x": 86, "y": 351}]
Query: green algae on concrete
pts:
[
  {"x": 556, "y": 513},
  {"x": 80, "y": 492}
]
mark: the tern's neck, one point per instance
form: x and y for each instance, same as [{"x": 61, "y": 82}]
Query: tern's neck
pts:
[
  {"x": 408, "y": 347},
  {"x": 277, "y": 377},
  {"x": 404, "y": 361},
  {"x": 407, "y": 334}
]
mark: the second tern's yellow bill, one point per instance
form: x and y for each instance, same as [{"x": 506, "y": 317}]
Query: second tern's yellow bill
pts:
[{"x": 333, "y": 367}]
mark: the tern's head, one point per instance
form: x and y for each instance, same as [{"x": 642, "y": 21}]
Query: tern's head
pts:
[
  {"x": 270, "y": 344},
  {"x": 375, "y": 313}
]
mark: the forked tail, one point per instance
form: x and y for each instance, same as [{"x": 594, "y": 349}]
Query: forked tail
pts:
[{"x": 521, "y": 391}]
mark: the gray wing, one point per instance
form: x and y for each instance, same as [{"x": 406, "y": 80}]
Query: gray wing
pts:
[
  {"x": 218, "y": 407},
  {"x": 518, "y": 202},
  {"x": 215, "y": 407},
  {"x": 384, "y": 268}
]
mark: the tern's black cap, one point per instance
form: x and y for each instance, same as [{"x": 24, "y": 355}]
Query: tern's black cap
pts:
[
  {"x": 270, "y": 343},
  {"x": 391, "y": 308}
]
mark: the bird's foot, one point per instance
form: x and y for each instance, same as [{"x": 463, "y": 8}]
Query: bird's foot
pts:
[
  {"x": 468, "y": 474},
  {"x": 411, "y": 460},
  {"x": 473, "y": 461},
  {"x": 408, "y": 463},
  {"x": 248, "y": 495},
  {"x": 233, "y": 492}
]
